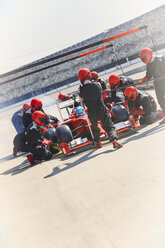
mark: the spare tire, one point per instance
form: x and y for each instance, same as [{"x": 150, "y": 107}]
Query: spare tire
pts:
[{"x": 64, "y": 134}]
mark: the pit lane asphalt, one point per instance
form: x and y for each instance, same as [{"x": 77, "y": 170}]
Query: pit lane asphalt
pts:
[{"x": 98, "y": 198}]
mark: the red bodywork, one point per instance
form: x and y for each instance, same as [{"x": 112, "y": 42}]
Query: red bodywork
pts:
[{"x": 81, "y": 124}]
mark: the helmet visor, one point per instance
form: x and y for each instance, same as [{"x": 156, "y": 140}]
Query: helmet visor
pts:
[
  {"x": 144, "y": 58},
  {"x": 42, "y": 120},
  {"x": 37, "y": 108},
  {"x": 116, "y": 84},
  {"x": 129, "y": 98}
]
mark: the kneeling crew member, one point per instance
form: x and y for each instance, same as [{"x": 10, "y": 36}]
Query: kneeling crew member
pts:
[
  {"x": 118, "y": 85},
  {"x": 37, "y": 145},
  {"x": 141, "y": 103}
]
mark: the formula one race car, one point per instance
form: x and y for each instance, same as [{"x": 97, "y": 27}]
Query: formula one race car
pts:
[{"x": 74, "y": 132}]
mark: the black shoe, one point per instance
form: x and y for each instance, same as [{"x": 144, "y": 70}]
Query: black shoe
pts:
[{"x": 116, "y": 145}]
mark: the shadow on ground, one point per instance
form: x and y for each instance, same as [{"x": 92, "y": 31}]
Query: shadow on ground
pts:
[
  {"x": 87, "y": 156},
  {"x": 146, "y": 133},
  {"x": 90, "y": 154},
  {"x": 18, "y": 169},
  {"x": 10, "y": 157}
]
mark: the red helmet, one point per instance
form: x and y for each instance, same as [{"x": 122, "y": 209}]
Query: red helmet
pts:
[
  {"x": 36, "y": 104},
  {"x": 39, "y": 118},
  {"x": 114, "y": 81},
  {"x": 105, "y": 93},
  {"x": 26, "y": 106},
  {"x": 94, "y": 75},
  {"x": 146, "y": 55},
  {"x": 84, "y": 74},
  {"x": 130, "y": 93},
  {"x": 63, "y": 97}
]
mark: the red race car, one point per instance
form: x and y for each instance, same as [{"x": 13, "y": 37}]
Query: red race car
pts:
[{"x": 74, "y": 132}]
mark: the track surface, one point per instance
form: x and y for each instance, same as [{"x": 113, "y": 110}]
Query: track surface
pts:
[{"x": 98, "y": 198}]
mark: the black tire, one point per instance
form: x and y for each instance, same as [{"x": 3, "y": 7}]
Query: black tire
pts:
[
  {"x": 20, "y": 142},
  {"x": 64, "y": 134},
  {"x": 51, "y": 135},
  {"x": 119, "y": 113}
]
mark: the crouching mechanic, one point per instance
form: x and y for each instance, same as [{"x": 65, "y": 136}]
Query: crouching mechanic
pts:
[
  {"x": 118, "y": 85},
  {"x": 141, "y": 104},
  {"x": 20, "y": 140},
  {"x": 90, "y": 92},
  {"x": 37, "y": 145}
]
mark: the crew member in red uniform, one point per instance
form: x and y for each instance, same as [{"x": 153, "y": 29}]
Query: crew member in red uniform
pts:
[
  {"x": 37, "y": 145},
  {"x": 141, "y": 104},
  {"x": 36, "y": 104},
  {"x": 95, "y": 78},
  {"x": 20, "y": 140},
  {"x": 63, "y": 97},
  {"x": 17, "y": 118},
  {"x": 90, "y": 92},
  {"x": 156, "y": 70},
  {"x": 117, "y": 86}
]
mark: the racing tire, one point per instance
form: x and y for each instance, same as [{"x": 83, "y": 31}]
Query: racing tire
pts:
[
  {"x": 20, "y": 141},
  {"x": 119, "y": 113},
  {"x": 51, "y": 135},
  {"x": 64, "y": 134}
]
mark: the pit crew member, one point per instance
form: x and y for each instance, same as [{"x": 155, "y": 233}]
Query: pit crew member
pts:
[
  {"x": 17, "y": 118},
  {"x": 90, "y": 92},
  {"x": 118, "y": 85},
  {"x": 141, "y": 104},
  {"x": 36, "y": 104},
  {"x": 95, "y": 78},
  {"x": 20, "y": 142},
  {"x": 37, "y": 145},
  {"x": 156, "y": 70}
]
